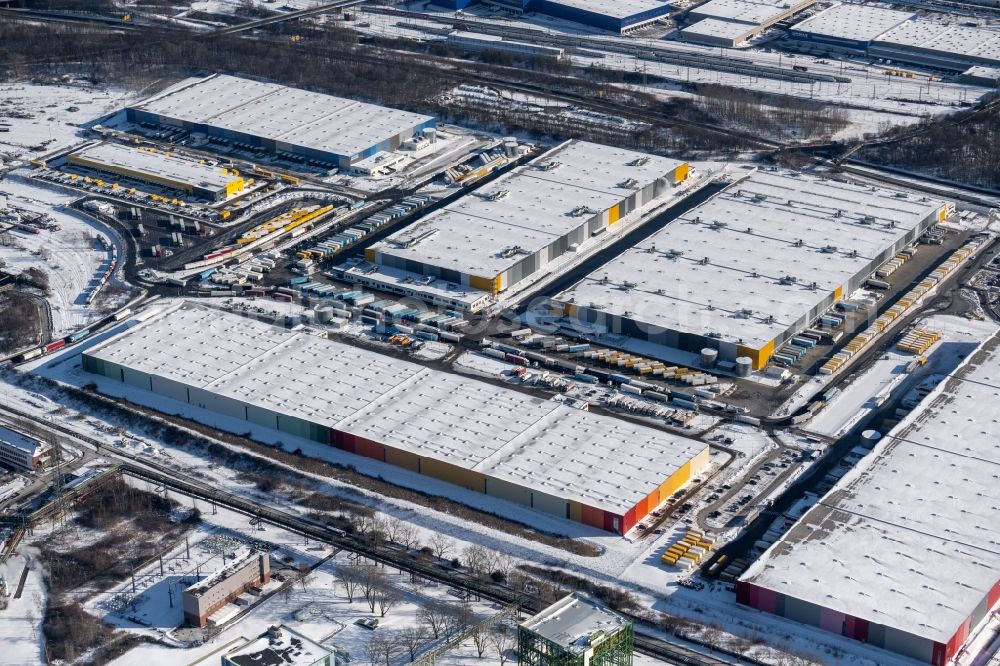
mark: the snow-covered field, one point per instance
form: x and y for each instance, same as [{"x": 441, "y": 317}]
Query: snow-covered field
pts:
[
  {"x": 71, "y": 256},
  {"x": 39, "y": 115},
  {"x": 21, "y": 621}
]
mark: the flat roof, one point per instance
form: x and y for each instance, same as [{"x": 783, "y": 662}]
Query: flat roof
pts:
[
  {"x": 952, "y": 39},
  {"x": 282, "y": 114},
  {"x": 619, "y": 9},
  {"x": 283, "y": 647},
  {"x": 908, "y": 537},
  {"x": 754, "y": 12},
  {"x": 712, "y": 27},
  {"x": 717, "y": 268},
  {"x": 505, "y": 434},
  {"x": 156, "y": 164},
  {"x": 19, "y": 440},
  {"x": 859, "y": 23},
  {"x": 200, "y": 587},
  {"x": 387, "y": 278},
  {"x": 575, "y": 623},
  {"x": 471, "y": 234}
]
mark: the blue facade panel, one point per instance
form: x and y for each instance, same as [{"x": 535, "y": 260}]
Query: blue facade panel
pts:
[
  {"x": 454, "y": 4},
  {"x": 594, "y": 17}
]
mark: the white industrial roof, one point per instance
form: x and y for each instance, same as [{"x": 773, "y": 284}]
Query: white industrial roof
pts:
[
  {"x": 288, "y": 115},
  {"x": 951, "y": 39},
  {"x": 737, "y": 246},
  {"x": 19, "y": 441},
  {"x": 860, "y": 23},
  {"x": 470, "y": 234},
  {"x": 575, "y": 623},
  {"x": 157, "y": 164},
  {"x": 620, "y": 9},
  {"x": 284, "y": 648},
  {"x": 719, "y": 28},
  {"x": 501, "y": 433},
  {"x": 754, "y": 12},
  {"x": 908, "y": 538}
]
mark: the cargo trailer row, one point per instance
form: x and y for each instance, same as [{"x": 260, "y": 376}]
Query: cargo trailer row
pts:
[{"x": 328, "y": 247}]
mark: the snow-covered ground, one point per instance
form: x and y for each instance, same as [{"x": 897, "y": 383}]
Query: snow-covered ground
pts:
[
  {"x": 39, "y": 115},
  {"x": 21, "y": 621},
  {"x": 71, "y": 256}
]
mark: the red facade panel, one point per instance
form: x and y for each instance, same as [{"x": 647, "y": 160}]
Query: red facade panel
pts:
[
  {"x": 369, "y": 449},
  {"x": 628, "y": 520},
  {"x": 591, "y": 516},
  {"x": 994, "y": 596},
  {"x": 613, "y": 523}
]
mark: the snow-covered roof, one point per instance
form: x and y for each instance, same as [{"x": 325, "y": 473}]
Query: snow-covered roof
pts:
[
  {"x": 19, "y": 441},
  {"x": 908, "y": 538},
  {"x": 718, "y": 28},
  {"x": 116, "y": 158},
  {"x": 755, "y": 12},
  {"x": 859, "y": 23},
  {"x": 619, "y": 9},
  {"x": 575, "y": 623},
  {"x": 279, "y": 646},
  {"x": 286, "y": 115},
  {"x": 471, "y": 234},
  {"x": 541, "y": 444},
  {"x": 718, "y": 268},
  {"x": 951, "y": 39}
]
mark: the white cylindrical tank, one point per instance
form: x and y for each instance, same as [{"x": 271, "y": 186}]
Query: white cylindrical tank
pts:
[
  {"x": 430, "y": 134},
  {"x": 708, "y": 357},
  {"x": 870, "y": 437},
  {"x": 743, "y": 366},
  {"x": 324, "y": 313}
]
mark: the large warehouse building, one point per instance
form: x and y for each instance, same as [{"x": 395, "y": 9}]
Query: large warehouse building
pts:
[
  {"x": 900, "y": 36},
  {"x": 514, "y": 227},
  {"x": 752, "y": 266},
  {"x": 904, "y": 552},
  {"x": 148, "y": 166},
  {"x": 280, "y": 119},
  {"x": 729, "y": 22},
  {"x": 620, "y": 16},
  {"x": 598, "y": 470}
]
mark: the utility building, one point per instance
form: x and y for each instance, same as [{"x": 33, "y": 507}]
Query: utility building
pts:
[
  {"x": 602, "y": 471},
  {"x": 271, "y": 117},
  {"x": 575, "y": 631},
  {"x": 22, "y": 452},
  {"x": 209, "y": 595},
  {"x": 903, "y": 553},
  {"x": 751, "y": 267},
  {"x": 149, "y": 166},
  {"x": 520, "y": 223}
]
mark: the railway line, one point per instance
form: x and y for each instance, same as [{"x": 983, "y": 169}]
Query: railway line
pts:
[{"x": 290, "y": 16}]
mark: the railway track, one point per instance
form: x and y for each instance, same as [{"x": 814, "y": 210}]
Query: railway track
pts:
[{"x": 290, "y": 16}]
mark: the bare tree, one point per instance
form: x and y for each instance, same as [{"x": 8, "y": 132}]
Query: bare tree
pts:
[
  {"x": 503, "y": 564},
  {"x": 458, "y": 618},
  {"x": 389, "y": 648},
  {"x": 374, "y": 649},
  {"x": 386, "y": 596},
  {"x": 480, "y": 638},
  {"x": 441, "y": 545},
  {"x": 503, "y": 641},
  {"x": 371, "y": 580},
  {"x": 412, "y": 638},
  {"x": 350, "y": 577},
  {"x": 401, "y": 532},
  {"x": 435, "y": 616}
]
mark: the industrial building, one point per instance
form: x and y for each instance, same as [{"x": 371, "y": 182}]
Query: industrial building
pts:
[
  {"x": 594, "y": 469},
  {"x": 279, "y": 646},
  {"x": 22, "y": 452},
  {"x": 479, "y": 42},
  {"x": 729, "y": 22},
  {"x": 900, "y": 36},
  {"x": 277, "y": 118},
  {"x": 149, "y": 166},
  {"x": 903, "y": 552},
  {"x": 751, "y": 267},
  {"x": 206, "y": 596},
  {"x": 620, "y": 16},
  {"x": 575, "y": 631},
  {"x": 520, "y": 223}
]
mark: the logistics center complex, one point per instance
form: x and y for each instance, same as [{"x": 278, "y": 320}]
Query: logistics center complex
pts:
[
  {"x": 903, "y": 552},
  {"x": 751, "y": 267},
  {"x": 280, "y": 119},
  {"x": 519, "y": 224},
  {"x": 620, "y": 16},
  {"x": 594, "y": 469}
]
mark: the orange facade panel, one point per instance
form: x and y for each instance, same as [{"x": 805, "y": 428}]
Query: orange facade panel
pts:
[
  {"x": 575, "y": 511},
  {"x": 404, "y": 459},
  {"x": 453, "y": 474},
  {"x": 593, "y": 517}
]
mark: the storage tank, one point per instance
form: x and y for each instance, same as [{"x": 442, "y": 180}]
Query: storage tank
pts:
[
  {"x": 743, "y": 366},
  {"x": 869, "y": 438},
  {"x": 324, "y": 313},
  {"x": 708, "y": 357}
]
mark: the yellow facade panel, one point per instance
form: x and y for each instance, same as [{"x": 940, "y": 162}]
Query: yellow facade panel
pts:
[
  {"x": 453, "y": 474},
  {"x": 403, "y": 459},
  {"x": 681, "y": 173},
  {"x": 371, "y": 255},
  {"x": 838, "y": 293},
  {"x": 491, "y": 285},
  {"x": 759, "y": 357},
  {"x": 614, "y": 214},
  {"x": 576, "y": 511}
]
